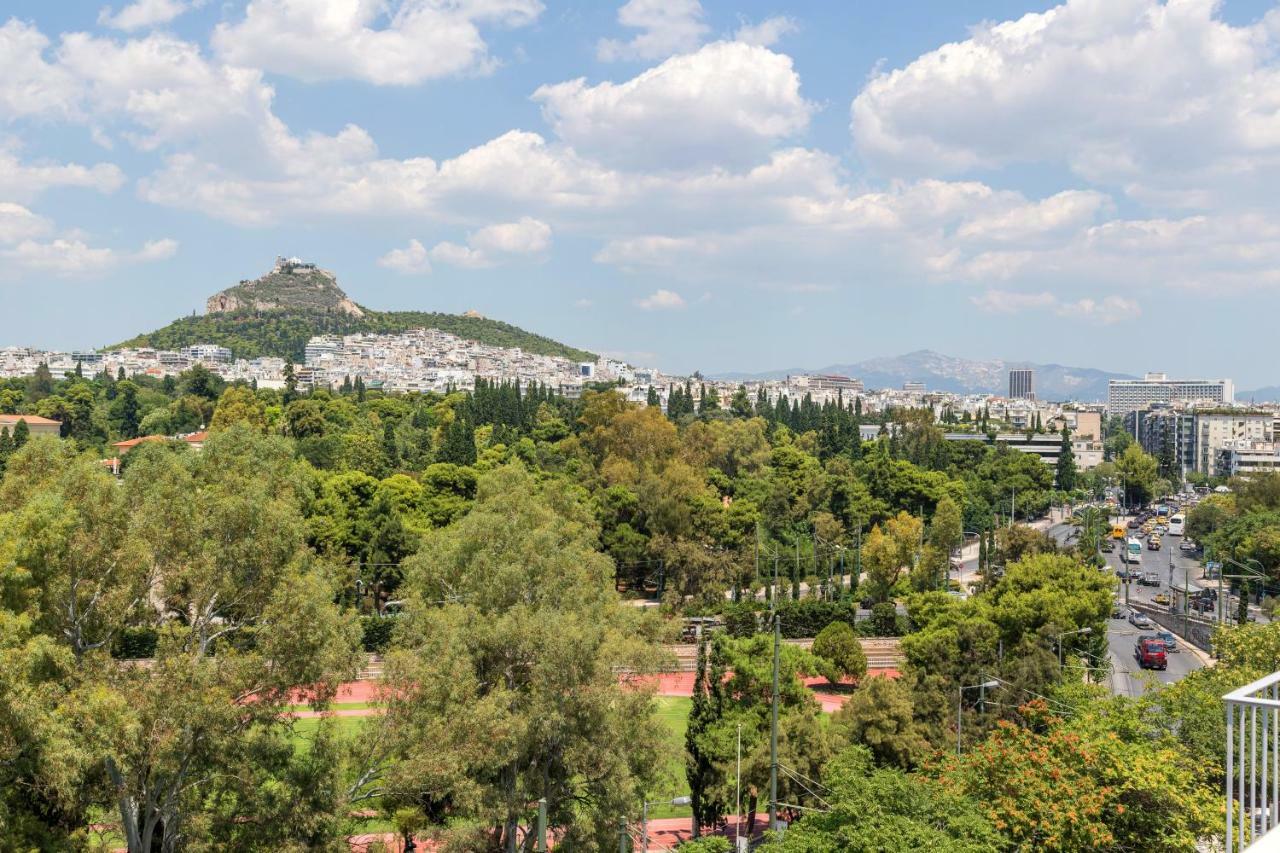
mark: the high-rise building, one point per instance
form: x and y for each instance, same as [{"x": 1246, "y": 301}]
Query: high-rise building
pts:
[
  {"x": 1022, "y": 384},
  {"x": 1128, "y": 395}
]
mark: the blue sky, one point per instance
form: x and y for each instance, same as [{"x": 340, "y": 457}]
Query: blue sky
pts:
[{"x": 714, "y": 186}]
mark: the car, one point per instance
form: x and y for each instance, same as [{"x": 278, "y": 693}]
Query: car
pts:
[
  {"x": 1203, "y": 605},
  {"x": 1150, "y": 653},
  {"x": 1108, "y": 547},
  {"x": 1133, "y": 524},
  {"x": 1186, "y": 545},
  {"x": 1139, "y": 620},
  {"x": 1153, "y": 544},
  {"x": 1122, "y": 573},
  {"x": 1170, "y": 641},
  {"x": 1161, "y": 599},
  {"x": 1118, "y": 611}
]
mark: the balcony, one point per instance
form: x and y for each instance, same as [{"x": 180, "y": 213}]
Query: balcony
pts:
[{"x": 1253, "y": 766}]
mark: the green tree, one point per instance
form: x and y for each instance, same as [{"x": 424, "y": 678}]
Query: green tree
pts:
[
  {"x": 839, "y": 647},
  {"x": 880, "y": 716},
  {"x": 1139, "y": 472},
  {"x": 459, "y": 445},
  {"x": 238, "y": 405},
  {"x": 1065, "y": 474},
  {"x": 125, "y": 409},
  {"x": 503, "y": 685}
]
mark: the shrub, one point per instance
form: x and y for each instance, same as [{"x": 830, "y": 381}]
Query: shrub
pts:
[{"x": 838, "y": 645}]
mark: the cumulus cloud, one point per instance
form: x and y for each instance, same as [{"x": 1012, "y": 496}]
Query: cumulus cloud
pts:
[
  {"x": 22, "y": 181},
  {"x": 400, "y": 44},
  {"x": 1106, "y": 311},
  {"x": 70, "y": 257},
  {"x": 1164, "y": 99},
  {"x": 667, "y": 27},
  {"x": 661, "y": 300},
  {"x": 146, "y": 13},
  {"x": 30, "y": 85},
  {"x": 486, "y": 247},
  {"x": 18, "y": 224},
  {"x": 727, "y": 103},
  {"x": 768, "y": 32},
  {"x": 411, "y": 260}
]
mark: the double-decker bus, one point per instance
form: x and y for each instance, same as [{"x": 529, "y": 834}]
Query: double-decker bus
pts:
[{"x": 1133, "y": 551}]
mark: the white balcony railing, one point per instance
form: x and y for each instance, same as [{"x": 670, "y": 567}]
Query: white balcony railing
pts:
[{"x": 1253, "y": 765}]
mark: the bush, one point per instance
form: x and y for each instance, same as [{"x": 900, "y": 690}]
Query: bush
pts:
[
  {"x": 838, "y": 645},
  {"x": 376, "y": 632},
  {"x": 884, "y": 620},
  {"x": 709, "y": 844},
  {"x": 742, "y": 620}
]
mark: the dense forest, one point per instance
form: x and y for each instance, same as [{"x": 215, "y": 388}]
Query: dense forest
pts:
[
  {"x": 491, "y": 546},
  {"x": 285, "y": 333}
]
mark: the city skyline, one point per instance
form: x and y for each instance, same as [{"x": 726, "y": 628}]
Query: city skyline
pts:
[{"x": 839, "y": 194}]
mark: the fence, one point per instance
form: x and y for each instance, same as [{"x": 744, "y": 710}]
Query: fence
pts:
[{"x": 1253, "y": 764}]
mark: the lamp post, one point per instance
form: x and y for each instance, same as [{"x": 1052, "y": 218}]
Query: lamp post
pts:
[
  {"x": 644, "y": 817},
  {"x": 1058, "y": 640},
  {"x": 984, "y": 687}
]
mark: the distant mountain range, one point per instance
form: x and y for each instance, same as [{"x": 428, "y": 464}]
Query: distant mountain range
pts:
[
  {"x": 962, "y": 376},
  {"x": 277, "y": 313}
]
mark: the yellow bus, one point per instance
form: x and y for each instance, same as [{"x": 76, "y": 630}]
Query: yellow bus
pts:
[{"x": 1118, "y": 532}]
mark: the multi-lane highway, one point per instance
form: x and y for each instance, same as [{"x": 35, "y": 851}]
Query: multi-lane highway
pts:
[{"x": 1176, "y": 568}]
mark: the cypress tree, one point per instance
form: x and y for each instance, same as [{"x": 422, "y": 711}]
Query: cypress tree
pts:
[
  {"x": 21, "y": 432},
  {"x": 1066, "y": 470},
  {"x": 652, "y": 398}
]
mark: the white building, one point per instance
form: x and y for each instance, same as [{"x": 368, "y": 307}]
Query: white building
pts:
[{"x": 1127, "y": 395}]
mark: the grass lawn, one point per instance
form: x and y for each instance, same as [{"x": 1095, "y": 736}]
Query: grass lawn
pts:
[{"x": 674, "y": 712}]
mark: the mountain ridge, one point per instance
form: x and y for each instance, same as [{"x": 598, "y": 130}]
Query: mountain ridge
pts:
[{"x": 942, "y": 372}]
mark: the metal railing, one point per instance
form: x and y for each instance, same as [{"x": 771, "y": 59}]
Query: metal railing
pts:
[{"x": 1253, "y": 764}]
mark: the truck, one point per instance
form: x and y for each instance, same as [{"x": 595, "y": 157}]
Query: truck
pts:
[
  {"x": 1150, "y": 653},
  {"x": 1149, "y": 579}
]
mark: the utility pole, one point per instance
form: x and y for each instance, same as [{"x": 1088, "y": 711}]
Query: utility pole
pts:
[
  {"x": 540, "y": 843},
  {"x": 773, "y": 722},
  {"x": 622, "y": 836}
]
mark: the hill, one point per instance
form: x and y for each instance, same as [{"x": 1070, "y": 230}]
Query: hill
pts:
[
  {"x": 966, "y": 376},
  {"x": 277, "y": 314}
]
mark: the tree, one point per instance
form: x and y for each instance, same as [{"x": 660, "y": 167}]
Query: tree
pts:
[
  {"x": 1139, "y": 472},
  {"x": 21, "y": 434},
  {"x": 880, "y": 716},
  {"x": 503, "y": 688},
  {"x": 459, "y": 445},
  {"x": 838, "y": 646},
  {"x": 125, "y": 409},
  {"x": 238, "y": 406},
  {"x": 871, "y": 810},
  {"x": 1065, "y": 474}
]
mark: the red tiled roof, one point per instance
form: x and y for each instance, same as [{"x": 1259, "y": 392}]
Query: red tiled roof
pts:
[
  {"x": 134, "y": 442},
  {"x": 31, "y": 420},
  {"x": 196, "y": 437}
]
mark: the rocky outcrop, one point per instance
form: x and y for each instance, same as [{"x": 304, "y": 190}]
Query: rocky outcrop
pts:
[{"x": 292, "y": 285}]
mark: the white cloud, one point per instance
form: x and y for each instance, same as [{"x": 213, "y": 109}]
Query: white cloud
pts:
[
  {"x": 528, "y": 236},
  {"x": 1061, "y": 214},
  {"x": 457, "y": 255},
  {"x": 669, "y": 27},
  {"x": 766, "y": 33},
  {"x": 1162, "y": 99},
  {"x": 1108, "y": 310},
  {"x": 661, "y": 300},
  {"x": 18, "y": 224},
  {"x": 29, "y": 84},
  {"x": 384, "y": 43},
  {"x": 25, "y": 181},
  {"x": 146, "y": 13},
  {"x": 70, "y": 257},
  {"x": 727, "y": 103},
  {"x": 411, "y": 260}
]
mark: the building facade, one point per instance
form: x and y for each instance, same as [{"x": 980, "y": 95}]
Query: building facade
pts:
[
  {"x": 1128, "y": 395},
  {"x": 1022, "y": 384}
]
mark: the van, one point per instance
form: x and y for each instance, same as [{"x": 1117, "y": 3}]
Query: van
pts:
[{"x": 1149, "y": 652}]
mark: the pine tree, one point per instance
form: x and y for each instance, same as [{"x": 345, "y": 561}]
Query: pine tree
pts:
[
  {"x": 290, "y": 383},
  {"x": 389, "y": 447},
  {"x": 1066, "y": 471},
  {"x": 21, "y": 432},
  {"x": 459, "y": 445},
  {"x": 652, "y": 398}
]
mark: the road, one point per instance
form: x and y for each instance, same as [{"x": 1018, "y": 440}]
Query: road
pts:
[{"x": 1177, "y": 568}]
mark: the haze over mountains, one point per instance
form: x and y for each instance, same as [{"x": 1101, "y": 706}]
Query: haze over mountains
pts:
[{"x": 962, "y": 376}]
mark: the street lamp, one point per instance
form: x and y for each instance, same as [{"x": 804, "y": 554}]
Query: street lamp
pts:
[
  {"x": 1058, "y": 640},
  {"x": 644, "y": 817},
  {"x": 984, "y": 687}
]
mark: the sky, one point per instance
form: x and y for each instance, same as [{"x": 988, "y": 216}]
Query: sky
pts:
[{"x": 688, "y": 185}]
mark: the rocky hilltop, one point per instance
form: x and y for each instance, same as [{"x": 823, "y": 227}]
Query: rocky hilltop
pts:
[{"x": 292, "y": 285}]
